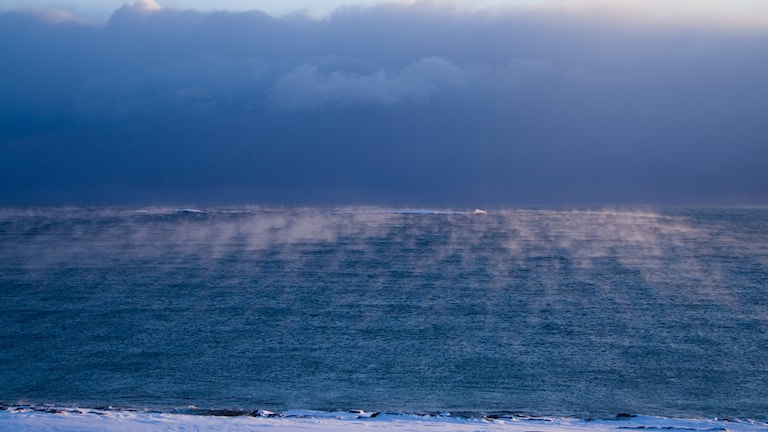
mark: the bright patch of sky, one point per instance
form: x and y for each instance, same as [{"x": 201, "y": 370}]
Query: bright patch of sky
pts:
[
  {"x": 103, "y": 8},
  {"x": 732, "y": 14}
]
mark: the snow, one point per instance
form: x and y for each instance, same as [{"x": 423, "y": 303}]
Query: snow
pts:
[{"x": 77, "y": 419}]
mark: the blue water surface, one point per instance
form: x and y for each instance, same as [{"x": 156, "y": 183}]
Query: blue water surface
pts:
[{"x": 587, "y": 312}]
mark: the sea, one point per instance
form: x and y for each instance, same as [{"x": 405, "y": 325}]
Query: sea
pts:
[{"x": 650, "y": 315}]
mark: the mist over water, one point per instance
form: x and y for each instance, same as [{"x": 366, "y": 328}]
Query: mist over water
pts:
[{"x": 585, "y": 312}]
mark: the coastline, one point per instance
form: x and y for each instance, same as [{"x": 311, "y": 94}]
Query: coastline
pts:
[{"x": 49, "y": 418}]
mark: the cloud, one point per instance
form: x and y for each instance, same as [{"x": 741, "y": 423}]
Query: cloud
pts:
[
  {"x": 308, "y": 87},
  {"x": 144, "y": 6},
  {"x": 397, "y": 102},
  {"x": 53, "y": 16},
  {"x": 202, "y": 83}
]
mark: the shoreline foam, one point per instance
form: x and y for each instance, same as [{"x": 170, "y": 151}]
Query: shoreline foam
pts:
[{"x": 50, "y": 418}]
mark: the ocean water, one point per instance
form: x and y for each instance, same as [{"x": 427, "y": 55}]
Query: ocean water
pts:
[{"x": 582, "y": 313}]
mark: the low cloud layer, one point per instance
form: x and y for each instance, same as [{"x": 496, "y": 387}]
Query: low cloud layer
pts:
[
  {"x": 308, "y": 87},
  {"x": 393, "y": 103}
]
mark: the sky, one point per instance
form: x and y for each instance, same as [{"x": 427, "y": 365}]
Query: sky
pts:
[
  {"x": 594, "y": 102},
  {"x": 100, "y": 10}
]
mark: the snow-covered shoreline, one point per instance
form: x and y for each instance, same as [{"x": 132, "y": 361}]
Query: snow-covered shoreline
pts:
[{"x": 31, "y": 418}]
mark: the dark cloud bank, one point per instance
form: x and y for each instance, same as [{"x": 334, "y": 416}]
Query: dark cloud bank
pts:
[{"x": 389, "y": 104}]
